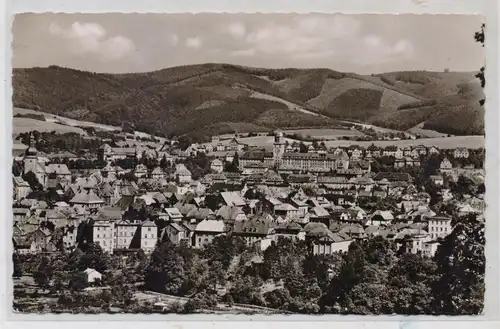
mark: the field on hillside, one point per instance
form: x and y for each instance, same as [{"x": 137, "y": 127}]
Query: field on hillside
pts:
[
  {"x": 23, "y": 125},
  {"x": 64, "y": 120},
  {"x": 471, "y": 142},
  {"x": 325, "y": 133},
  {"x": 61, "y": 125}
]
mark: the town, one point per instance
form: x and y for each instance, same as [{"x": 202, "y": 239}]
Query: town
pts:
[{"x": 134, "y": 197}]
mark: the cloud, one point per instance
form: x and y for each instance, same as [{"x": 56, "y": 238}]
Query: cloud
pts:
[
  {"x": 173, "y": 39},
  {"x": 194, "y": 42},
  {"x": 308, "y": 37},
  {"x": 237, "y": 30},
  {"x": 374, "y": 50},
  {"x": 243, "y": 53},
  {"x": 91, "y": 38}
]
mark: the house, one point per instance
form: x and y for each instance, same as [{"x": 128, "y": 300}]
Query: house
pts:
[
  {"x": 415, "y": 240},
  {"x": 140, "y": 171},
  {"x": 433, "y": 150},
  {"x": 173, "y": 215},
  {"x": 289, "y": 230},
  {"x": 103, "y": 233},
  {"x": 390, "y": 151},
  {"x": 407, "y": 151},
  {"x": 381, "y": 218},
  {"x": 233, "y": 198},
  {"x": 422, "y": 150},
  {"x": 182, "y": 174},
  {"x": 206, "y": 231},
  {"x": 429, "y": 248},
  {"x": 286, "y": 210},
  {"x": 217, "y": 166},
  {"x": 439, "y": 226},
  {"x": 437, "y": 180},
  {"x": 231, "y": 213},
  {"x": 157, "y": 174},
  {"x": 92, "y": 275},
  {"x": 445, "y": 165},
  {"x": 21, "y": 188},
  {"x": 252, "y": 230},
  {"x": 324, "y": 242},
  {"x": 301, "y": 206},
  {"x": 175, "y": 232},
  {"x": 461, "y": 153},
  {"x": 20, "y": 214},
  {"x": 149, "y": 236},
  {"x": 58, "y": 170},
  {"x": 87, "y": 199}
]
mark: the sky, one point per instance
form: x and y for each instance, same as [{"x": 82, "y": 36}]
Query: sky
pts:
[{"x": 365, "y": 44}]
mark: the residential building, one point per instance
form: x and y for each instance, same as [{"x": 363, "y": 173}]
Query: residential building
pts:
[
  {"x": 461, "y": 152},
  {"x": 217, "y": 166},
  {"x": 182, "y": 174},
  {"x": 149, "y": 236},
  {"x": 93, "y": 276},
  {"x": 21, "y": 188},
  {"x": 439, "y": 226},
  {"x": 206, "y": 231}
]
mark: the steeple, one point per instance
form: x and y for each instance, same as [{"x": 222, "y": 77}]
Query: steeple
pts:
[{"x": 32, "y": 151}]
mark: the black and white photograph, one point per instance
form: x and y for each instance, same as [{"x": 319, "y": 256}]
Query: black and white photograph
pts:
[{"x": 251, "y": 163}]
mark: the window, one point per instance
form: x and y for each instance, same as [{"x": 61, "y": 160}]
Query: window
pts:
[
  {"x": 145, "y": 243},
  {"x": 97, "y": 235},
  {"x": 149, "y": 229}
]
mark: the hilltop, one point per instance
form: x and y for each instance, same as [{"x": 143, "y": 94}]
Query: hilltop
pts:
[{"x": 221, "y": 98}]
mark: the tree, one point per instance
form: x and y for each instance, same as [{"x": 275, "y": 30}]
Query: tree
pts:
[
  {"x": 278, "y": 298},
  {"x": 165, "y": 272},
  {"x": 352, "y": 272},
  {"x": 479, "y": 37},
  {"x": 164, "y": 162},
  {"x": 78, "y": 281},
  {"x": 460, "y": 260},
  {"x": 43, "y": 273},
  {"x": 303, "y": 148},
  {"x": 32, "y": 180},
  {"x": 234, "y": 166},
  {"x": 184, "y": 142},
  {"x": 410, "y": 284},
  {"x": 18, "y": 269}
]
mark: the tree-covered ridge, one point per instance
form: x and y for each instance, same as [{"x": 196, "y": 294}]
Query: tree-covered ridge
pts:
[{"x": 205, "y": 98}]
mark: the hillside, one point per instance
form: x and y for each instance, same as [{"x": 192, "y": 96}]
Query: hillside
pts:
[{"x": 220, "y": 98}]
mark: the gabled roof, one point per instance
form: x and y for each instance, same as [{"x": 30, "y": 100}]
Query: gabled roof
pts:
[
  {"x": 173, "y": 212},
  {"x": 319, "y": 212},
  {"x": 148, "y": 223},
  {"x": 177, "y": 227},
  {"x": 229, "y": 212},
  {"x": 20, "y": 182},
  {"x": 383, "y": 214},
  {"x": 210, "y": 225},
  {"x": 109, "y": 213},
  {"x": 284, "y": 207},
  {"x": 233, "y": 199},
  {"x": 57, "y": 168},
  {"x": 88, "y": 197},
  {"x": 254, "y": 226}
]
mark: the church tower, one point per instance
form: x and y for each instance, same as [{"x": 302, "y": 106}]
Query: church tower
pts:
[
  {"x": 31, "y": 158},
  {"x": 278, "y": 148}
]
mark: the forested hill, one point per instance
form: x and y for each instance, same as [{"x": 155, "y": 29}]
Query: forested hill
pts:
[{"x": 221, "y": 98}]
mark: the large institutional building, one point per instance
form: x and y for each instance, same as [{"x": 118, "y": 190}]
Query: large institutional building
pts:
[{"x": 320, "y": 161}]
